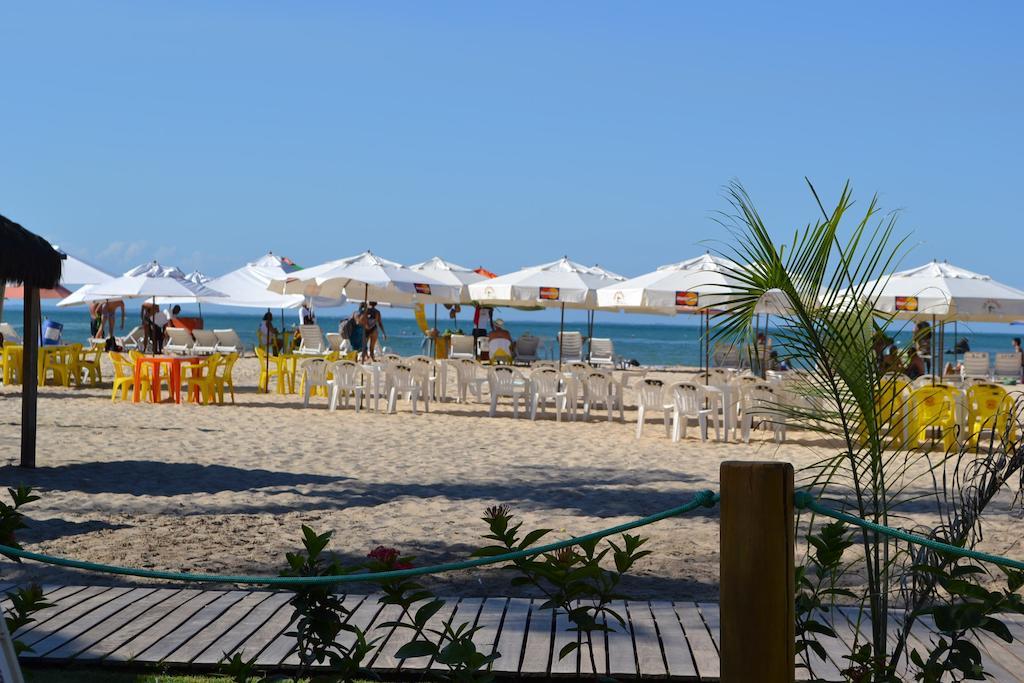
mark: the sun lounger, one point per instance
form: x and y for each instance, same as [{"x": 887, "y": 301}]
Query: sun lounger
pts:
[
  {"x": 132, "y": 340},
  {"x": 976, "y": 364},
  {"x": 1008, "y": 366},
  {"x": 206, "y": 342},
  {"x": 602, "y": 353},
  {"x": 11, "y": 335},
  {"x": 527, "y": 348},
  {"x": 179, "y": 341},
  {"x": 461, "y": 347},
  {"x": 228, "y": 341},
  {"x": 313, "y": 343},
  {"x": 571, "y": 344}
]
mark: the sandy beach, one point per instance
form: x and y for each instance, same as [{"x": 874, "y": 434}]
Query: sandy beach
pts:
[{"x": 225, "y": 489}]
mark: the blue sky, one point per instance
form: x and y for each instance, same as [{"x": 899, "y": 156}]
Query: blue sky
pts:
[{"x": 204, "y": 134}]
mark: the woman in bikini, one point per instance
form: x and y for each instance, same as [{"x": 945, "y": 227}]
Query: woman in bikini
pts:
[{"x": 374, "y": 326}]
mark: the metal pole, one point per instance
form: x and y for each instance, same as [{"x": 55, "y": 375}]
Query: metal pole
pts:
[
  {"x": 29, "y": 378},
  {"x": 561, "y": 333},
  {"x": 758, "y": 608},
  {"x": 3, "y": 293}
]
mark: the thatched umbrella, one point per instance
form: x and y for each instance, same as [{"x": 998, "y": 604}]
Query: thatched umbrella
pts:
[{"x": 30, "y": 260}]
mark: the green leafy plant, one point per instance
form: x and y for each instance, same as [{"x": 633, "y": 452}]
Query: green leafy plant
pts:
[
  {"x": 572, "y": 579},
  {"x": 821, "y": 287},
  {"x": 817, "y": 587},
  {"x": 27, "y": 600}
]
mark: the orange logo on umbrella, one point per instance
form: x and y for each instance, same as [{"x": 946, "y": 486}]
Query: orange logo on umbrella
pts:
[
  {"x": 549, "y": 293},
  {"x": 422, "y": 288},
  {"x": 906, "y": 303},
  {"x": 686, "y": 299}
]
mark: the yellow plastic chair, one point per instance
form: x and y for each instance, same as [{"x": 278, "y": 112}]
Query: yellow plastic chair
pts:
[
  {"x": 86, "y": 366},
  {"x": 989, "y": 409},
  {"x": 147, "y": 372},
  {"x": 56, "y": 364},
  {"x": 124, "y": 377},
  {"x": 933, "y": 408},
  {"x": 222, "y": 378},
  {"x": 201, "y": 379},
  {"x": 892, "y": 406},
  {"x": 12, "y": 360},
  {"x": 278, "y": 371}
]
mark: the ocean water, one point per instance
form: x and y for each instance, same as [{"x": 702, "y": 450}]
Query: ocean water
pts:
[{"x": 651, "y": 344}]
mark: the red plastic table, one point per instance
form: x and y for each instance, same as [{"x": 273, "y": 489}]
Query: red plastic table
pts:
[{"x": 174, "y": 362}]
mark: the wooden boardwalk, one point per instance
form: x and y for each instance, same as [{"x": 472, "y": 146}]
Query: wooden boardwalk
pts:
[{"x": 192, "y": 629}]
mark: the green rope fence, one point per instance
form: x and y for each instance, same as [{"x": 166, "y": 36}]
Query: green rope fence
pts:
[
  {"x": 806, "y": 501},
  {"x": 702, "y": 499}
]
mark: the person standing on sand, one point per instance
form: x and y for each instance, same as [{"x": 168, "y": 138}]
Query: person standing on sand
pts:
[
  {"x": 373, "y": 323},
  {"x": 109, "y": 310},
  {"x": 96, "y": 319}
]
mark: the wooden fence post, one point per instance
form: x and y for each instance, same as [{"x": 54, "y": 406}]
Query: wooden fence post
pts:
[{"x": 757, "y": 590}]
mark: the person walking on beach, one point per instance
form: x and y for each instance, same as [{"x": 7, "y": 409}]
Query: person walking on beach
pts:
[
  {"x": 96, "y": 319},
  {"x": 1020, "y": 354},
  {"x": 373, "y": 323},
  {"x": 109, "y": 311}
]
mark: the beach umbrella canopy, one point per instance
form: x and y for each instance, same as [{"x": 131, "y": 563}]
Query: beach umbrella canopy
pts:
[
  {"x": 561, "y": 283},
  {"x": 18, "y": 292},
  {"x": 368, "y": 277},
  {"x": 685, "y": 287},
  {"x": 144, "y": 282},
  {"x": 450, "y": 274},
  {"x": 948, "y": 293},
  {"x": 78, "y": 272}
]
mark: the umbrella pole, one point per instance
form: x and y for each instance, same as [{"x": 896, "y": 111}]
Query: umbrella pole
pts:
[
  {"x": 561, "y": 332},
  {"x": 29, "y": 379},
  {"x": 200, "y": 304},
  {"x": 932, "y": 338},
  {"x": 764, "y": 352},
  {"x": 3, "y": 293},
  {"x": 266, "y": 343}
]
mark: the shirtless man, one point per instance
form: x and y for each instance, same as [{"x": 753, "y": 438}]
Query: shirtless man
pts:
[{"x": 109, "y": 312}]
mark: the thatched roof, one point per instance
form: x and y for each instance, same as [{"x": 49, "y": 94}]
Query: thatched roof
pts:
[{"x": 27, "y": 258}]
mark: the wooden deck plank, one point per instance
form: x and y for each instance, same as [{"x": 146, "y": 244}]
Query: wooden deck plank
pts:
[
  {"x": 169, "y": 640},
  {"x": 60, "y": 600},
  {"x": 64, "y": 622},
  {"x": 621, "y": 653},
  {"x": 97, "y": 641},
  {"x": 489, "y": 621},
  {"x": 645, "y": 639},
  {"x": 465, "y": 613},
  {"x": 569, "y": 665},
  {"x": 702, "y": 646},
  {"x": 436, "y": 622},
  {"x": 63, "y": 643},
  {"x": 993, "y": 661},
  {"x": 828, "y": 669},
  {"x": 597, "y": 650},
  {"x": 273, "y": 627},
  {"x": 512, "y": 636},
  {"x": 678, "y": 658},
  {"x": 235, "y": 636},
  {"x": 384, "y": 658},
  {"x": 537, "y": 647},
  {"x": 219, "y": 627},
  {"x": 281, "y": 646},
  {"x": 147, "y": 627},
  {"x": 382, "y": 633}
]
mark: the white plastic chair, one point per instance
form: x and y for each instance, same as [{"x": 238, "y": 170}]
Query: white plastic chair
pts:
[
  {"x": 688, "y": 399},
  {"x": 761, "y": 402},
  {"x": 571, "y": 346},
  {"x": 346, "y": 381},
  {"x": 424, "y": 370},
  {"x": 228, "y": 341},
  {"x": 527, "y": 348},
  {"x": 179, "y": 341},
  {"x": 976, "y": 364},
  {"x": 651, "y": 396},
  {"x": 602, "y": 353},
  {"x": 312, "y": 343},
  {"x": 314, "y": 375},
  {"x": 501, "y": 381},
  {"x": 544, "y": 387},
  {"x": 206, "y": 342},
  {"x": 402, "y": 382},
  {"x": 467, "y": 380},
  {"x": 600, "y": 390},
  {"x": 460, "y": 347}
]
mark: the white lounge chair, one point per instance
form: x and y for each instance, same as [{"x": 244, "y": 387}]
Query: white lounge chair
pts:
[
  {"x": 334, "y": 341},
  {"x": 346, "y": 381},
  {"x": 571, "y": 346},
  {"x": 527, "y": 349},
  {"x": 602, "y": 353},
  {"x": 461, "y": 346},
  {"x": 132, "y": 340},
  {"x": 179, "y": 341},
  {"x": 10, "y": 335},
  {"x": 313, "y": 343},
  {"x": 728, "y": 356},
  {"x": 206, "y": 342},
  {"x": 976, "y": 364},
  {"x": 1008, "y": 366},
  {"x": 228, "y": 341}
]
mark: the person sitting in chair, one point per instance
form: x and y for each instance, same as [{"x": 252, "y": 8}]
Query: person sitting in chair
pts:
[{"x": 500, "y": 342}]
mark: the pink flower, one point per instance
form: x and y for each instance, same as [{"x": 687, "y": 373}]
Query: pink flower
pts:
[{"x": 388, "y": 558}]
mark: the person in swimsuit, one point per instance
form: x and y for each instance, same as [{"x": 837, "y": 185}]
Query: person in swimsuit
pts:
[
  {"x": 374, "y": 326},
  {"x": 96, "y": 319},
  {"x": 109, "y": 310}
]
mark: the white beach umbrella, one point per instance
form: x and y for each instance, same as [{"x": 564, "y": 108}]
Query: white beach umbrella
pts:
[
  {"x": 367, "y": 277},
  {"x": 686, "y": 287},
  {"x": 450, "y": 274},
  {"x": 75, "y": 271},
  {"x": 947, "y": 293},
  {"x": 146, "y": 281},
  {"x": 562, "y": 283}
]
